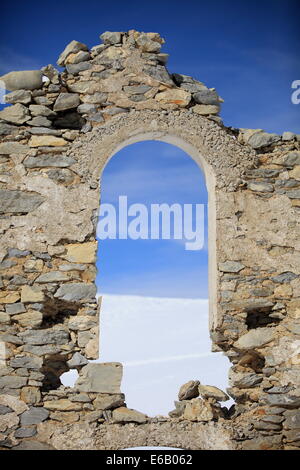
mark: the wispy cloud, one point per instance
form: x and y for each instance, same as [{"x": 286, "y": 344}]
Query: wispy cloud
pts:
[
  {"x": 159, "y": 360},
  {"x": 11, "y": 60}
]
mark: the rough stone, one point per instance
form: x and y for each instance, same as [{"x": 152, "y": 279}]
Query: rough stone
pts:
[
  {"x": 16, "y": 114},
  {"x": 110, "y": 37},
  {"x": 45, "y": 337},
  {"x": 126, "y": 415},
  {"x": 18, "y": 96},
  {"x": 25, "y": 432},
  {"x": 62, "y": 405},
  {"x": 32, "y": 318},
  {"x": 206, "y": 109},
  {"x": 262, "y": 139},
  {"x": 198, "y": 410},
  {"x": 206, "y": 96},
  {"x": 82, "y": 323},
  {"x": 231, "y": 267},
  {"x": 174, "y": 96},
  {"x": 100, "y": 378},
  {"x": 66, "y": 101},
  {"x": 27, "y": 362},
  {"x": 75, "y": 69},
  {"x": 72, "y": 48},
  {"x": 255, "y": 339},
  {"x": 31, "y": 395},
  {"x": 34, "y": 415},
  {"x": 81, "y": 252},
  {"x": 31, "y": 294},
  {"x": 8, "y": 421},
  {"x": 19, "y": 201},
  {"x": 44, "y": 161},
  {"x": 292, "y": 159},
  {"x": 189, "y": 390},
  {"x": 109, "y": 402},
  {"x": 76, "y": 292},
  {"x": 18, "y": 406},
  {"x": 208, "y": 391},
  {"x": 12, "y": 382},
  {"x": 77, "y": 361}
]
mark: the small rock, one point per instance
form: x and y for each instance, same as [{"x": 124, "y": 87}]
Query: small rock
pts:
[
  {"x": 74, "y": 69},
  {"x": 231, "y": 267},
  {"x": 25, "y": 432},
  {"x": 174, "y": 96},
  {"x": 198, "y": 410},
  {"x": 109, "y": 402},
  {"x": 189, "y": 390},
  {"x": 110, "y": 37},
  {"x": 206, "y": 109},
  {"x": 261, "y": 187},
  {"x": 16, "y": 114},
  {"x": 77, "y": 361},
  {"x": 262, "y": 139},
  {"x": 66, "y": 101},
  {"x": 255, "y": 338},
  {"x": 62, "y": 405},
  {"x": 208, "y": 391},
  {"x": 287, "y": 136},
  {"x": 18, "y": 96},
  {"x": 31, "y": 294},
  {"x": 207, "y": 97},
  {"x": 126, "y": 415},
  {"x": 40, "y": 110},
  {"x": 47, "y": 141},
  {"x": 26, "y": 361},
  {"x": 72, "y": 48},
  {"x": 5, "y": 409},
  {"x": 77, "y": 292}
]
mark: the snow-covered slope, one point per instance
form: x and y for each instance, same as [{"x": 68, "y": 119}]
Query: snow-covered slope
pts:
[{"x": 162, "y": 343}]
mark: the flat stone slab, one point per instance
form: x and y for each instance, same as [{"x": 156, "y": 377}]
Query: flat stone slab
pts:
[{"x": 100, "y": 378}]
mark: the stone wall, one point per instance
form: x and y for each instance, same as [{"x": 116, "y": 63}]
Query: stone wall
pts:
[{"x": 56, "y": 138}]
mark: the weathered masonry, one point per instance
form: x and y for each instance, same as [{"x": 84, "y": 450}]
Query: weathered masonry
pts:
[{"x": 56, "y": 138}]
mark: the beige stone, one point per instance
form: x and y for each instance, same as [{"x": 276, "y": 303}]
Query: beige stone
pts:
[
  {"x": 81, "y": 252},
  {"x": 206, "y": 109},
  {"x": 46, "y": 141},
  {"x": 126, "y": 415},
  {"x": 174, "y": 96},
  {"x": 7, "y": 297},
  {"x": 92, "y": 348},
  {"x": 283, "y": 291},
  {"x": 82, "y": 323},
  {"x": 32, "y": 318},
  {"x": 295, "y": 173},
  {"x": 8, "y": 420},
  {"x": 198, "y": 410},
  {"x": 32, "y": 294},
  {"x": 63, "y": 405},
  {"x": 4, "y": 317},
  {"x": 31, "y": 395},
  {"x": 14, "y": 403}
]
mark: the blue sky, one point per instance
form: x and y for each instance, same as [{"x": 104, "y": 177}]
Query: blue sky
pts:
[
  {"x": 247, "y": 50},
  {"x": 152, "y": 172}
]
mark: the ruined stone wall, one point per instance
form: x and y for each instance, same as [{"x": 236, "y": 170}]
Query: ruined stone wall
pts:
[{"x": 56, "y": 139}]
